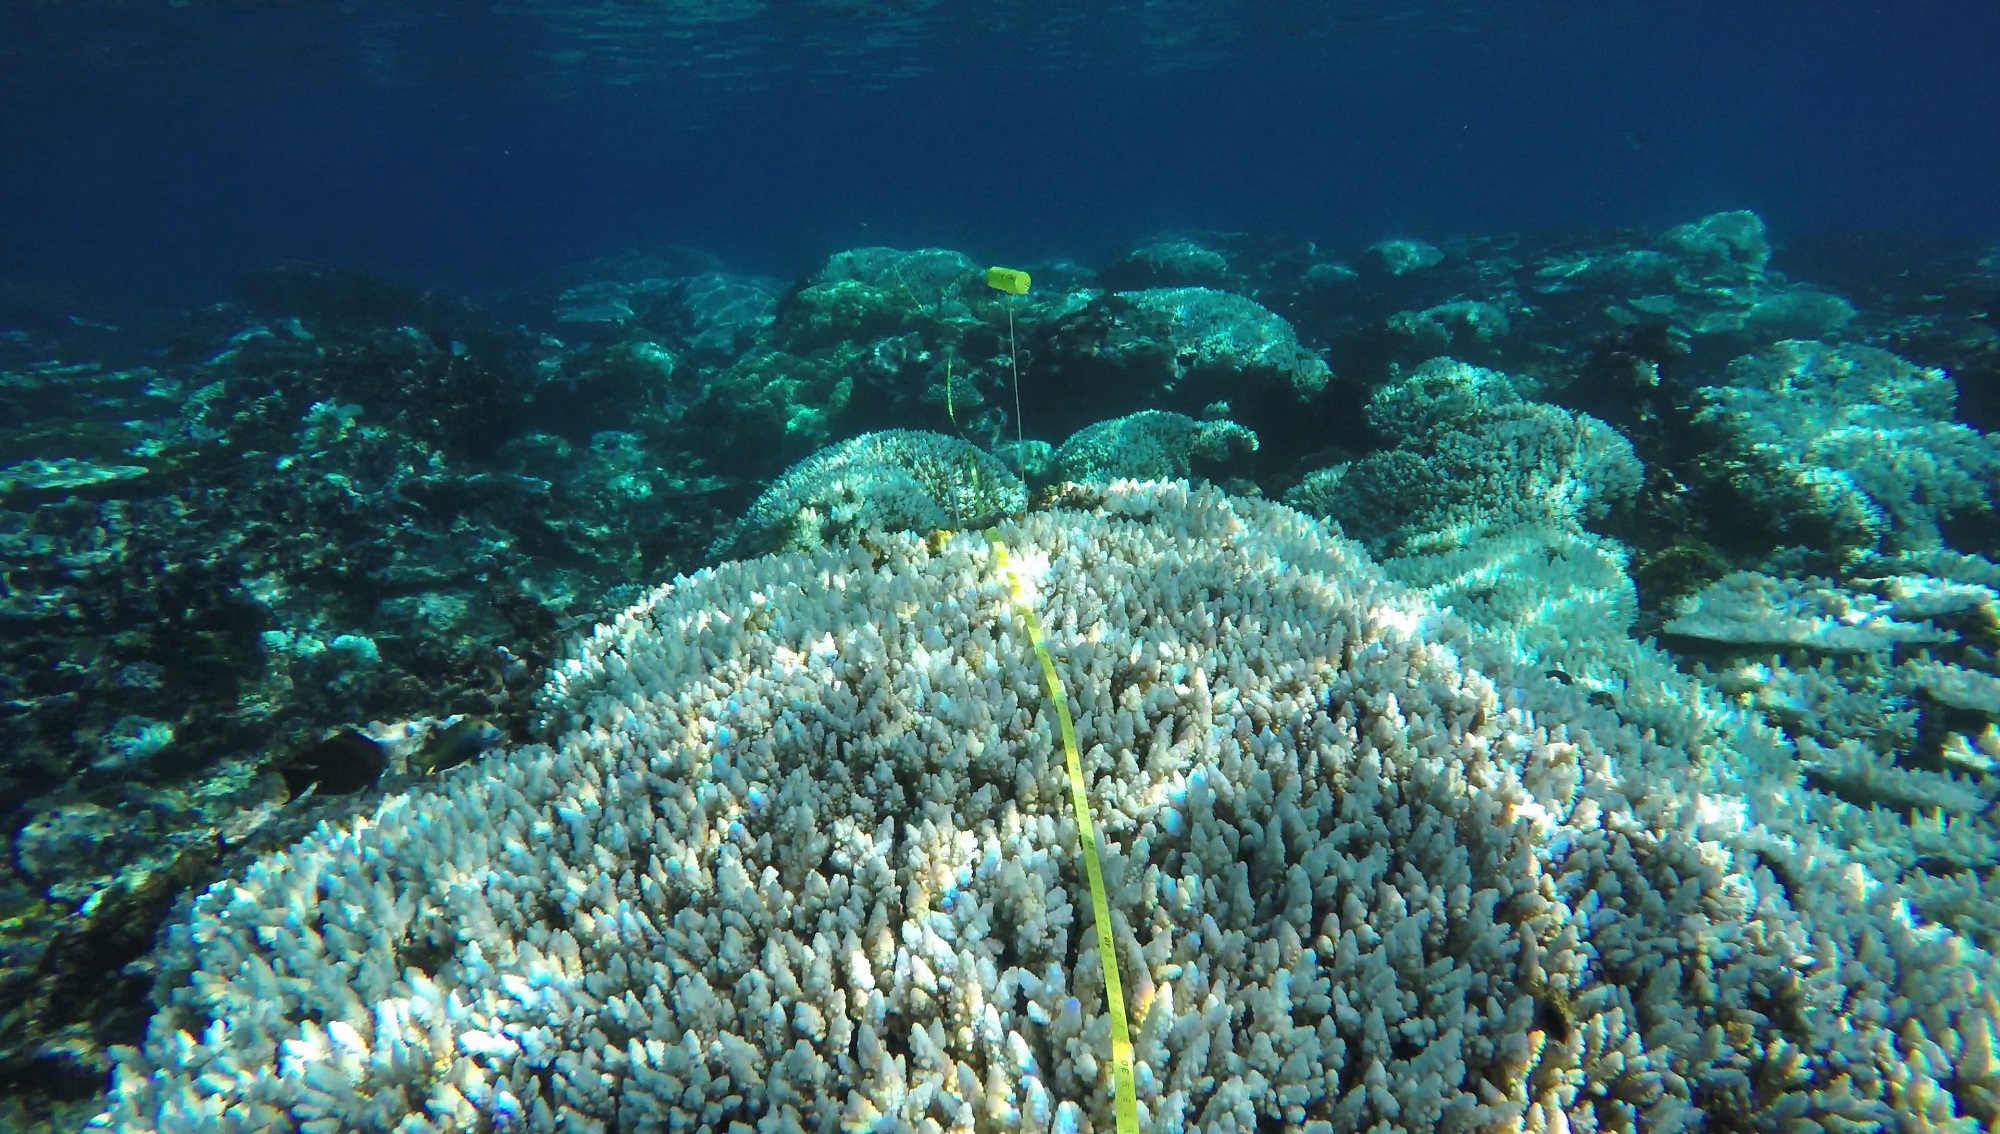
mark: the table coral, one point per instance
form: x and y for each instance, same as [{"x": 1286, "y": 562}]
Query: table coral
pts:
[{"x": 1848, "y": 449}]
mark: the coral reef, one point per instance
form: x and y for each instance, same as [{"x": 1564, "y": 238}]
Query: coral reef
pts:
[
  {"x": 1886, "y": 683},
  {"x": 334, "y": 521},
  {"x": 1721, "y": 244},
  {"x": 685, "y": 298},
  {"x": 1151, "y": 445},
  {"x": 1460, "y": 327},
  {"x": 1185, "y": 349},
  {"x": 898, "y": 480},
  {"x": 1401, "y": 256},
  {"x": 1441, "y": 395},
  {"x": 1469, "y": 459},
  {"x": 1748, "y": 608},
  {"x": 1184, "y": 262},
  {"x": 800, "y": 858},
  {"x": 321, "y": 541},
  {"x": 1848, "y": 449},
  {"x": 871, "y": 341},
  {"x": 1202, "y": 334}
]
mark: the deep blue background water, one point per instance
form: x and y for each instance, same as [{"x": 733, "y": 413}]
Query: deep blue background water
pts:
[{"x": 152, "y": 151}]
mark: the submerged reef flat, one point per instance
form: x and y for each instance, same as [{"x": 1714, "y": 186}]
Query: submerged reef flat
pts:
[{"x": 1602, "y": 734}]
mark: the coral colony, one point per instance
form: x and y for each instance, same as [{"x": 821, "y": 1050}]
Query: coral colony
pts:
[{"x": 1514, "y": 687}]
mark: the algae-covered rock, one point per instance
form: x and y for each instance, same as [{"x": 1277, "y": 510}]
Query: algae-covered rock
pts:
[
  {"x": 1400, "y": 257},
  {"x": 1180, "y": 262},
  {"x": 1184, "y": 349},
  {"x": 1722, "y": 242}
]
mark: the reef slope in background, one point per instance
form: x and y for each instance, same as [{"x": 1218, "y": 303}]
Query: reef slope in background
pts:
[{"x": 290, "y": 558}]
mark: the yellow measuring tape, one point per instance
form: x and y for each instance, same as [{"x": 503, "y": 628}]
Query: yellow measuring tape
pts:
[{"x": 1124, "y": 1096}]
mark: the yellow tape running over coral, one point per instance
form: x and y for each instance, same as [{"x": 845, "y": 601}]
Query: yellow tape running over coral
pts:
[{"x": 1124, "y": 1100}]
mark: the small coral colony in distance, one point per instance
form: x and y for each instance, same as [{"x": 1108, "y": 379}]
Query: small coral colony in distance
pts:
[{"x": 1228, "y": 683}]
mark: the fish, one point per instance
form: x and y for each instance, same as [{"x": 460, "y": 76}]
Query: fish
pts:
[
  {"x": 343, "y": 763},
  {"x": 460, "y": 742}
]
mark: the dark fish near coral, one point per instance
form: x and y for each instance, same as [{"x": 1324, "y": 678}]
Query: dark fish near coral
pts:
[
  {"x": 341, "y": 764},
  {"x": 457, "y": 744}
]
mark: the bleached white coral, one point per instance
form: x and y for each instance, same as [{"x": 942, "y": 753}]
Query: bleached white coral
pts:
[
  {"x": 1849, "y": 447},
  {"x": 1442, "y": 394},
  {"x": 1462, "y": 325},
  {"x": 1218, "y": 331},
  {"x": 803, "y": 858},
  {"x": 1927, "y": 596},
  {"x": 1862, "y": 777},
  {"x": 1732, "y": 242},
  {"x": 1880, "y": 784},
  {"x": 894, "y": 480},
  {"x": 1483, "y": 468},
  {"x": 1749, "y": 608},
  {"x": 1150, "y": 445},
  {"x": 1961, "y": 688},
  {"x": 1949, "y": 566},
  {"x": 1562, "y": 598},
  {"x": 1978, "y": 753}
]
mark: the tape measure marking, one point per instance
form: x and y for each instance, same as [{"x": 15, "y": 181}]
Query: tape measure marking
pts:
[{"x": 1124, "y": 1101}]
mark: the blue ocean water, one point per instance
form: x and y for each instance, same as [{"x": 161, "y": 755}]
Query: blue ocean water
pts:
[
  {"x": 159, "y": 149},
  {"x": 488, "y": 490}
]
